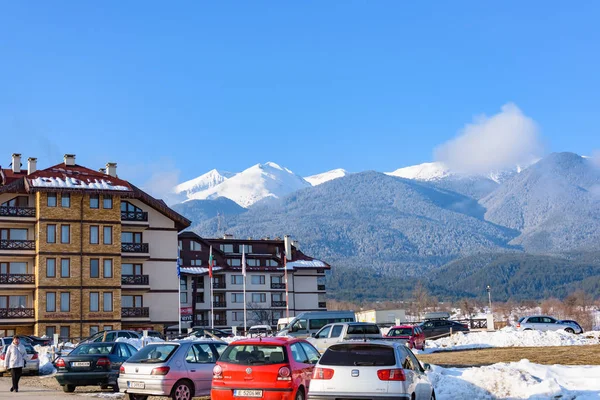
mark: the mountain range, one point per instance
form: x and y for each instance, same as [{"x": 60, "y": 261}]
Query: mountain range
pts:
[{"x": 422, "y": 222}]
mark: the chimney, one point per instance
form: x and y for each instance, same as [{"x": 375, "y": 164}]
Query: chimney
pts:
[
  {"x": 111, "y": 169},
  {"x": 287, "y": 241},
  {"x": 103, "y": 170},
  {"x": 228, "y": 236},
  {"x": 31, "y": 165},
  {"x": 69, "y": 160},
  {"x": 16, "y": 163}
]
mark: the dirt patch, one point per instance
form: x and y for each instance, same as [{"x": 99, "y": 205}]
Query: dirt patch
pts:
[{"x": 565, "y": 355}]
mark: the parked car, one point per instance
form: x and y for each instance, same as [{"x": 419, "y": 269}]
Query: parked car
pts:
[
  {"x": 435, "y": 329},
  {"x": 338, "y": 332},
  {"x": 111, "y": 336},
  {"x": 36, "y": 340},
  {"x": 569, "y": 321},
  {"x": 209, "y": 332},
  {"x": 92, "y": 364},
  {"x": 412, "y": 336},
  {"x": 180, "y": 370},
  {"x": 370, "y": 370},
  {"x": 260, "y": 330},
  {"x": 546, "y": 323},
  {"x": 32, "y": 361},
  {"x": 268, "y": 368}
]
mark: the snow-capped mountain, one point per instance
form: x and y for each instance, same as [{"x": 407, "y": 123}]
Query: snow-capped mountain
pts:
[
  {"x": 326, "y": 176},
  {"x": 423, "y": 172},
  {"x": 255, "y": 183},
  {"x": 186, "y": 190}
]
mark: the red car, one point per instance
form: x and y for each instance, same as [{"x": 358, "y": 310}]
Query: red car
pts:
[
  {"x": 415, "y": 338},
  {"x": 267, "y": 368}
]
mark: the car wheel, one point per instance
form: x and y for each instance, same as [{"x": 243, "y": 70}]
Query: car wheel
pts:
[
  {"x": 569, "y": 330},
  {"x": 182, "y": 391},
  {"x": 115, "y": 388},
  {"x": 131, "y": 396},
  {"x": 300, "y": 394},
  {"x": 68, "y": 388}
]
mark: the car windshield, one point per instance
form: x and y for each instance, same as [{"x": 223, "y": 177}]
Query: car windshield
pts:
[
  {"x": 400, "y": 332},
  {"x": 363, "y": 330},
  {"x": 254, "y": 354},
  {"x": 90, "y": 349},
  {"x": 521, "y": 319},
  {"x": 154, "y": 354},
  {"x": 358, "y": 355}
]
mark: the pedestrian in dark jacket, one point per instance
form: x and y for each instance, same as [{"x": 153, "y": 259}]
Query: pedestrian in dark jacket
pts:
[{"x": 15, "y": 361}]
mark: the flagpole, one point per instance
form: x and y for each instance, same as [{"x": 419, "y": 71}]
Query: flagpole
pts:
[
  {"x": 244, "y": 279},
  {"x": 287, "y": 296},
  {"x": 179, "y": 287},
  {"x": 210, "y": 278}
]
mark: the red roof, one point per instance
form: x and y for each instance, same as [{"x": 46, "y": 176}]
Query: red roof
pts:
[{"x": 75, "y": 178}]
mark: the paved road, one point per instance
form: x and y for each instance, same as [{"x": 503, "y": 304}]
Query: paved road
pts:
[{"x": 29, "y": 392}]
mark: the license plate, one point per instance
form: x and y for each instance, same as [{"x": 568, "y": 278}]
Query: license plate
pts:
[
  {"x": 136, "y": 385},
  {"x": 80, "y": 364},
  {"x": 247, "y": 393}
]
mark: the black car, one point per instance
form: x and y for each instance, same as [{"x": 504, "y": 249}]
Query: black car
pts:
[
  {"x": 92, "y": 364},
  {"x": 438, "y": 328},
  {"x": 35, "y": 340},
  {"x": 207, "y": 332}
]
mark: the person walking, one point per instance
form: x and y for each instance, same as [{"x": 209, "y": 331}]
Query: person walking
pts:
[{"x": 15, "y": 361}]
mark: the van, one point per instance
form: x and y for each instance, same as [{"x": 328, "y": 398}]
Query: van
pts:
[{"x": 307, "y": 323}]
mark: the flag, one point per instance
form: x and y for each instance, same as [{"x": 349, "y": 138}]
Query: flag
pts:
[
  {"x": 210, "y": 263},
  {"x": 244, "y": 260},
  {"x": 178, "y": 264}
]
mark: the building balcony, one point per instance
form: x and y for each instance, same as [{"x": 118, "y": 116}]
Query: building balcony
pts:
[
  {"x": 278, "y": 304},
  {"x": 17, "y": 244},
  {"x": 135, "y": 279},
  {"x": 219, "y": 285},
  {"x": 278, "y": 286},
  {"x": 135, "y": 312},
  {"x": 137, "y": 216},
  {"x": 322, "y": 304},
  {"x": 17, "y": 212},
  {"x": 17, "y": 279},
  {"x": 10, "y": 313},
  {"x": 220, "y": 304},
  {"x": 320, "y": 287},
  {"x": 134, "y": 248}
]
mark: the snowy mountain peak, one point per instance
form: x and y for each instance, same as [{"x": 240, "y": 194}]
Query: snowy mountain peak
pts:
[
  {"x": 203, "y": 182},
  {"x": 326, "y": 176},
  {"x": 423, "y": 172}
]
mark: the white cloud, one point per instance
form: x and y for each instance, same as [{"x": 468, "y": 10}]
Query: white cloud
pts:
[
  {"x": 596, "y": 158},
  {"x": 158, "y": 178},
  {"x": 487, "y": 144}
]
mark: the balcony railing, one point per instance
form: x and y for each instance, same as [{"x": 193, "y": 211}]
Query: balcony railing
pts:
[
  {"x": 219, "y": 303},
  {"x": 17, "y": 279},
  {"x": 277, "y": 285},
  {"x": 134, "y": 247},
  {"x": 219, "y": 285},
  {"x": 202, "y": 322},
  {"x": 278, "y": 303},
  {"x": 322, "y": 304},
  {"x": 135, "y": 279},
  {"x": 133, "y": 312},
  {"x": 320, "y": 287},
  {"x": 140, "y": 216},
  {"x": 17, "y": 211},
  {"x": 17, "y": 244},
  {"x": 17, "y": 313}
]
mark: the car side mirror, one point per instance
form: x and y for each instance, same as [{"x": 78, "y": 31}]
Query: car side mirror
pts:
[
  {"x": 313, "y": 335},
  {"x": 427, "y": 367}
]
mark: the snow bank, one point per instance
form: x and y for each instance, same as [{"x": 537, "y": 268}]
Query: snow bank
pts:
[
  {"x": 45, "y": 356},
  {"x": 510, "y": 337},
  {"x": 520, "y": 380},
  {"x": 137, "y": 343}
]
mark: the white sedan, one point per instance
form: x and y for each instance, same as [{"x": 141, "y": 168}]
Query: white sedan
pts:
[{"x": 370, "y": 370}]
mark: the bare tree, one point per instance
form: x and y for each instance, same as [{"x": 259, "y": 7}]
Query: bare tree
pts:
[
  {"x": 420, "y": 296},
  {"x": 258, "y": 315}
]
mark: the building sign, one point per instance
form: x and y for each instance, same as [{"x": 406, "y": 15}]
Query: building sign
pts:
[
  {"x": 101, "y": 315},
  {"x": 56, "y": 315},
  {"x": 186, "y": 311},
  {"x": 186, "y": 318}
]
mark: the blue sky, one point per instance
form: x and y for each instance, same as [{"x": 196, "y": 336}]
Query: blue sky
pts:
[{"x": 184, "y": 87}]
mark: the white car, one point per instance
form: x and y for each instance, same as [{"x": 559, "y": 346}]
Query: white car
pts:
[
  {"x": 32, "y": 361},
  {"x": 338, "y": 332},
  {"x": 370, "y": 370}
]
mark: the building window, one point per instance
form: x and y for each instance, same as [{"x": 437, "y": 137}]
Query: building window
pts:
[
  {"x": 132, "y": 301},
  {"x": 65, "y": 234},
  {"x": 94, "y": 268},
  {"x": 94, "y": 329},
  {"x": 131, "y": 237},
  {"x": 51, "y": 200},
  {"x": 180, "y": 245},
  {"x": 234, "y": 262},
  {"x": 19, "y": 201},
  {"x": 197, "y": 263},
  {"x": 94, "y": 234},
  {"x": 13, "y": 234},
  {"x": 107, "y": 328},
  {"x": 237, "y": 315},
  {"x": 94, "y": 201},
  {"x": 253, "y": 262},
  {"x": 258, "y": 279},
  {"x": 107, "y": 304},
  {"x": 277, "y": 279},
  {"x": 200, "y": 298},
  {"x": 277, "y": 297},
  {"x": 65, "y": 302},
  {"x": 50, "y": 331},
  {"x": 227, "y": 248},
  {"x": 65, "y": 333},
  {"x": 271, "y": 263},
  {"x": 131, "y": 269},
  {"x": 259, "y": 297},
  {"x": 107, "y": 235},
  {"x": 195, "y": 246},
  {"x": 50, "y": 302},
  {"x": 65, "y": 267},
  {"x": 13, "y": 268},
  {"x": 95, "y": 301},
  {"x": 13, "y": 302},
  {"x": 237, "y": 297},
  {"x": 107, "y": 202},
  {"x": 51, "y": 234},
  {"x": 183, "y": 297},
  {"x": 51, "y": 267},
  {"x": 237, "y": 279},
  {"x": 247, "y": 248},
  {"x": 65, "y": 200},
  {"x": 107, "y": 270}
]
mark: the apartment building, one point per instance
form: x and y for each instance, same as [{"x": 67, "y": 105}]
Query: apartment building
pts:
[
  {"x": 265, "y": 299},
  {"x": 83, "y": 250}
]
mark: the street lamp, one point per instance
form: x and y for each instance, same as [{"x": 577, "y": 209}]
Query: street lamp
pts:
[{"x": 489, "y": 291}]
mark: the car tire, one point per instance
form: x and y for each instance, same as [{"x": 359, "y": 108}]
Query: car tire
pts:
[
  {"x": 115, "y": 388},
  {"x": 569, "y": 330},
  {"x": 182, "y": 390},
  {"x": 68, "y": 388},
  {"x": 131, "y": 396},
  {"x": 300, "y": 394}
]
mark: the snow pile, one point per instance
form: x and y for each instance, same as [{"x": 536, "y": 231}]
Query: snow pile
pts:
[
  {"x": 510, "y": 337},
  {"x": 520, "y": 380},
  {"x": 105, "y": 395},
  {"x": 318, "y": 179},
  {"x": 45, "y": 357},
  {"x": 137, "y": 343}
]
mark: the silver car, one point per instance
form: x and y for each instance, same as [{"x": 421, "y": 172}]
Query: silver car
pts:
[
  {"x": 32, "y": 361},
  {"x": 180, "y": 370},
  {"x": 546, "y": 323}
]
